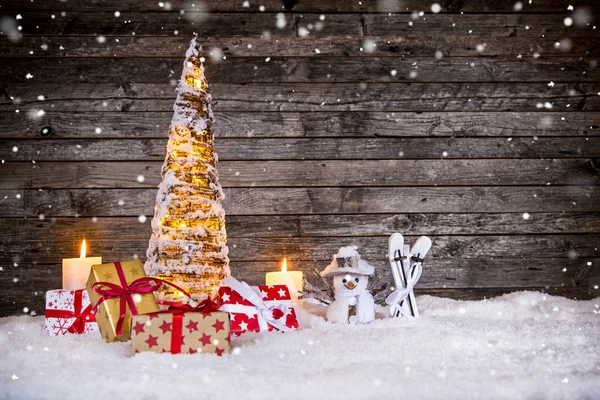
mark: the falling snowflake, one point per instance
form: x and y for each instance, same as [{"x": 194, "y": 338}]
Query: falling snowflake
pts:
[
  {"x": 369, "y": 45},
  {"x": 302, "y": 31},
  {"x": 281, "y": 22}
]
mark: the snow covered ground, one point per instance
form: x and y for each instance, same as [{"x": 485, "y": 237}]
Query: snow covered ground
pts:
[{"x": 520, "y": 346}]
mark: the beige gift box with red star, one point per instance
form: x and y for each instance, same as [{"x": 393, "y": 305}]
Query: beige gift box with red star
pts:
[{"x": 175, "y": 331}]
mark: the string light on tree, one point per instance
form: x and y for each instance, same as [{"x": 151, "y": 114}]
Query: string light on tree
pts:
[{"x": 188, "y": 243}]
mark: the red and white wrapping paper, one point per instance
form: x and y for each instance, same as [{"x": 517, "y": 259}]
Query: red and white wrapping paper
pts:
[
  {"x": 257, "y": 308},
  {"x": 69, "y": 311}
]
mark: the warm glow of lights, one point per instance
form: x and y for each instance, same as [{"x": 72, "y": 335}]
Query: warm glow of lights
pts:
[
  {"x": 83, "y": 249},
  {"x": 188, "y": 245},
  {"x": 284, "y": 265}
]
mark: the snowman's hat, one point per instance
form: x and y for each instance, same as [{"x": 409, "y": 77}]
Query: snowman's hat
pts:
[{"x": 347, "y": 260}]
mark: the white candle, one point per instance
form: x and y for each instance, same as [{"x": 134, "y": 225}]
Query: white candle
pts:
[
  {"x": 75, "y": 271},
  {"x": 292, "y": 279}
]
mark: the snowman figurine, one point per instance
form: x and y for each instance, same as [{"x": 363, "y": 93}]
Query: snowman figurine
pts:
[{"x": 350, "y": 278}]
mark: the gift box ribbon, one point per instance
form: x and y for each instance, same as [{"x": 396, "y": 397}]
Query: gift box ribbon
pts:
[
  {"x": 178, "y": 309},
  {"x": 81, "y": 316},
  {"x": 125, "y": 292},
  {"x": 262, "y": 309}
]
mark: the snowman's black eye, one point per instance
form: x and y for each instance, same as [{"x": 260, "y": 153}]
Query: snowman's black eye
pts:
[
  {"x": 356, "y": 280},
  {"x": 344, "y": 281}
]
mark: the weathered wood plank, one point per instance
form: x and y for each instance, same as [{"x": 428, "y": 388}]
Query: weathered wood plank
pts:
[
  {"x": 285, "y": 201},
  {"x": 54, "y": 175},
  {"x": 304, "y": 69},
  {"x": 241, "y": 24},
  {"x": 530, "y": 247},
  {"x": 441, "y": 273},
  {"x": 174, "y": 24},
  {"x": 19, "y": 230},
  {"x": 307, "y": 149},
  {"x": 506, "y": 25},
  {"x": 281, "y": 46},
  {"x": 307, "y": 124},
  {"x": 31, "y": 296},
  {"x": 295, "y": 6},
  {"x": 324, "y": 97}
]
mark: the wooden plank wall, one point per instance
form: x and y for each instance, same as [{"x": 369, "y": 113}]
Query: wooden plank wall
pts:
[{"x": 338, "y": 122}]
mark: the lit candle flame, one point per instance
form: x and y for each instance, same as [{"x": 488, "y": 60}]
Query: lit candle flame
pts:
[
  {"x": 83, "y": 249},
  {"x": 284, "y": 265}
]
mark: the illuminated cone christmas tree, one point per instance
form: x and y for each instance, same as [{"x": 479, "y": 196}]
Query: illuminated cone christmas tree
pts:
[{"x": 188, "y": 243}]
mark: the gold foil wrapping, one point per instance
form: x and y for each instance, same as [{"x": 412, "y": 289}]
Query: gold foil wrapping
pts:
[{"x": 109, "y": 310}]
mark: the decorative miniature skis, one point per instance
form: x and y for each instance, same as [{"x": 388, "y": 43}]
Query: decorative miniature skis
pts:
[{"x": 406, "y": 264}]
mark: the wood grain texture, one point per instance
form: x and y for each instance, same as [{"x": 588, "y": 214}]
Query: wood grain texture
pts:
[
  {"x": 71, "y": 230},
  {"x": 477, "y": 126},
  {"x": 324, "y": 97},
  {"x": 449, "y": 273},
  {"x": 506, "y": 25},
  {"x": 327, "y": 173},
  {"x": 282, "y": 46},
  {"x": 292, "y": 201},
  {"x": 242, "y": 124},
  {"x": 309, "y": 248},
  {"x": 406, "y": 6},
  {"x": 303, "y": 69},
  {"x": 242, "y": 24},
  {"x": 308, "y": 149}
]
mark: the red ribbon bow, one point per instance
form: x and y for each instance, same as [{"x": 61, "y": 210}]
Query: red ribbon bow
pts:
[
  {"x": 125, "y": 293},
  {"x": 206, "y": 305},
  {"x": 81, "y": 316}
]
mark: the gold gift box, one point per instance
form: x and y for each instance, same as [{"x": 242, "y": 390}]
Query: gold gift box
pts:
[{"x": 108, "y": 312}]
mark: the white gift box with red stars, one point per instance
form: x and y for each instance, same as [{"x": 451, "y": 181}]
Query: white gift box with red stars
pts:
[{"x": 246, "y": 317}]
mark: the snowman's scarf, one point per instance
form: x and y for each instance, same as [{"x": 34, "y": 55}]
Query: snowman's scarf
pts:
[{"x": 349, "y": 293}]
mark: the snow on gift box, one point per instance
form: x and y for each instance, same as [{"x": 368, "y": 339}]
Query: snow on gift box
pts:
[{"x": 257, "y": 308}]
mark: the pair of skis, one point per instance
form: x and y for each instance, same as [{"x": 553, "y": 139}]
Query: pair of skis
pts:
[{"x": 407, "y": 266}]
